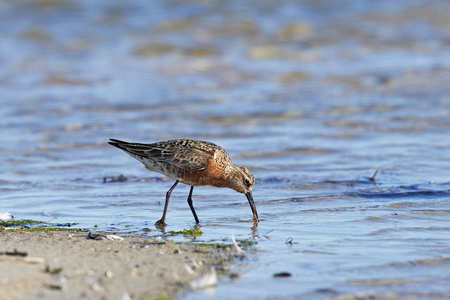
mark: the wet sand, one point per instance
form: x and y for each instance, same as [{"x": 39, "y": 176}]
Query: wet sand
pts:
[{"x": 67, "y": 265}]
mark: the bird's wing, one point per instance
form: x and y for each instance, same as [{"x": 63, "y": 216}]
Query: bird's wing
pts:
[{"x": 185, "y": 154}]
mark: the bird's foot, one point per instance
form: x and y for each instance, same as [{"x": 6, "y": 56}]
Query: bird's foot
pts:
[{"x": 160, "y": 223}]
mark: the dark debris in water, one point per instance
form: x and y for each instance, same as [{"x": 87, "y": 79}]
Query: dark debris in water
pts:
[
  {"x": 109, "y": 179},
  {"x": 282, "y": 274},
  {"x": 373, "y": 176},
  {"x": 289, "y": 240}
]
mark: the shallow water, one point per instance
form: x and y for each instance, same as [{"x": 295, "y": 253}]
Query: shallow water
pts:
[{"x": 313, "y": 96}]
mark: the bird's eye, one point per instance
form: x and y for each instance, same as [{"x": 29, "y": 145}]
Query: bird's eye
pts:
[{"x": 246, "y": 182}]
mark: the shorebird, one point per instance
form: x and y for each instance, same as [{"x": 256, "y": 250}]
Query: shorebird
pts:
[{"x": 194, "y": 163}]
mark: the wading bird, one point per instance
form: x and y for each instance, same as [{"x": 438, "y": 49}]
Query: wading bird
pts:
[{"x": 194, "y": 163}]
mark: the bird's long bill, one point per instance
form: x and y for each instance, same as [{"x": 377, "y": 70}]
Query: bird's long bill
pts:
[{"x": 252, "y": 206}]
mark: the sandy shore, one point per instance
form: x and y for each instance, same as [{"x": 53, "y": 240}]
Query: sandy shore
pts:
[{"x": 68, "y": 265}]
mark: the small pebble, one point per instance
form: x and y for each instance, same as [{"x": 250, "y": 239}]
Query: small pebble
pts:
[
  {"x": 113, "y": 237},
  {"x": 109, "y": 274},
  {"x": 97, "y": 287}
]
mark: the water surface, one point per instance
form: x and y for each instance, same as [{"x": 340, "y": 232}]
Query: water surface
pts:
[{"x": 312, "y": 96}]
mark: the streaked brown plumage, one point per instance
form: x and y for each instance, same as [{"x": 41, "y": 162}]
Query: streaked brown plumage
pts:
[{"x": 194, "y": 163}]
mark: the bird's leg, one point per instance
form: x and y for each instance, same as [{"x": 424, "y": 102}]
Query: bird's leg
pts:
[
  {"x": 189, "y": 200},
  {"x": 169, "y": 192}
]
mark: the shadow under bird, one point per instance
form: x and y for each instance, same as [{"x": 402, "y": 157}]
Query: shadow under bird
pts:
[{"x": 194, "y": 163}]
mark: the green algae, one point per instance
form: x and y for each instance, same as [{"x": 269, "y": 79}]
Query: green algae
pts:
[
  {"x": 45, "y": 229},
  {"x": 32, "y": 226},
  {"x": 217, "y": 245},
  {"x": 19, "y": 223},
  {"x": 188, "y": 232},
  {"x": 248, "y": 243}
]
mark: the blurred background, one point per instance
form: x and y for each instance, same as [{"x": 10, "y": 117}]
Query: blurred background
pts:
[{"x": 313, "y": 96}]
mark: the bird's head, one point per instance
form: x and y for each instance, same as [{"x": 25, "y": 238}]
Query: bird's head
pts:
[{"x": 239, "y": 178}]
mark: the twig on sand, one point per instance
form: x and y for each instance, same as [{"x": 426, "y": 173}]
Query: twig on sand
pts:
[
  {"x": 26, "y": 259},
  {"x": 238, "y": 249}
]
